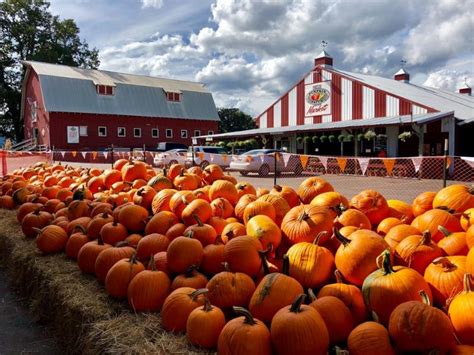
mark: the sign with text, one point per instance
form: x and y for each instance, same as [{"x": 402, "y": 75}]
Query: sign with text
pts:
[
  {"x": 317, "y": 99},
  {"x": 72, "y": 134}
]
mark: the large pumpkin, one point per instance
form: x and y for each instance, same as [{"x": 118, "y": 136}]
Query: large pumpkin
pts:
[
  {"x": 265, "y": 230},
  {"x": 120, "y": 275},
  {"x": 133, "y": 217},
  {"x": 244, "y": 335},
  {"x": 445, "y": 277},
  {"x": 354, "y": 218},
  {"x": 332, "y": 200},
  {"x": 243, "y": 202},
  {"x": 399, "y": 232},
  {"x": 387, "y": 287},
  {"x": 423, "y": 202},
  {"x": 434, "y": 218},
  {"x": 280, "y": 205},
  {"x": 455, "y": 197},
  {"x": 400, "y": 209},
  {"x": 349, "y": 294},
  {"x": 178, "y": 306},
  {"x": 310, "y": 264},
  {"x": 274, "y": 291},
  {"x": 416, "y": 326},
  {"x": 369, "y": 338},
  {"x": 303, "y": 223},
  {"x": 288, "y": 193},
  {"x": 256, "y": 208},
  {"x": 453, "y": 243},
  {"x": 108, "y": 257},
  {"x": 184, "y": 252},
  {"x": 372, "y": 204},
  {"x": 299, "y": 329},
  {"x": 461, "y": 312},
  {"x": 51, "y": 239},
  {"x": 242, "y": 254},
  {"x": 134, "y": 170},
  {"x": 311, "y": 187},
  {"x": 225, "y": 189},
  {"x": 356, "y": 257}
]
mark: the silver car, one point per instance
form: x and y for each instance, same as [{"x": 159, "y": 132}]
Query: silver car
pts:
[
  {"x": 173, "y": 156},
  {"x": 261, "y": 161}
]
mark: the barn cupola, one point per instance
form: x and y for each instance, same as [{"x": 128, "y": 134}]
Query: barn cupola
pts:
[
  {"x": 402, "y": 75},
  {"x": 465, "y": 90},
  {"x": 323, "y": 59}
]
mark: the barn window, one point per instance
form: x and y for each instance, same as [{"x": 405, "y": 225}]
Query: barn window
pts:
[
  {"x": 197, "y": 133},
  {"x": 210, "y": 132},
  {"x": 121, "y": 132},
  {"x": 105, "y": 89},
  {"x": 102, "y": 131},
  {"x": 155, "y": 133},
  {"x": 173, "y": 96},
  {"x": 169, "y": 133},
  {"x": 83, "y": 131},
  {"x": 184, "y": 133},
  {"x": 137, "y": 132}
]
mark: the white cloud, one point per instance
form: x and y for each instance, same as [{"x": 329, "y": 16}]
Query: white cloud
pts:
[
  {"x": 450, "y": 80},
  {"x": 250, "y": 52},
  {"x": 152, "y": 3}
]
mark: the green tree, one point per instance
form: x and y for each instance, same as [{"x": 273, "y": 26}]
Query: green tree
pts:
[
  {"x": 232, "y": 119},
  {"x": 28, "y": 31}
]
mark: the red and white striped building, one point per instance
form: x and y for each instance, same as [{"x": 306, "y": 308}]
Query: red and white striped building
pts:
[{"x": 339, "y": 102}]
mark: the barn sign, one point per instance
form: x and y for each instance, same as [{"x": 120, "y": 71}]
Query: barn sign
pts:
[
  {"x": 72, "y": 134},
  {"x": 318, "y": 98}
]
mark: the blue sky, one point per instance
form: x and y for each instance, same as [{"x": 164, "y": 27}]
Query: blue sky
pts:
[{"x": 249, "y": 52}]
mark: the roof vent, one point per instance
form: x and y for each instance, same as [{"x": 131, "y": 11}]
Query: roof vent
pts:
[
  {"x": 323, "y": 58},
  {"x": 465, "y": 89},
  {"x": 402, "y": 74}
]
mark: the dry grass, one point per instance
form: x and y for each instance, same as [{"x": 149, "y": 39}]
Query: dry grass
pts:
[{"x": 84, "y": 319}]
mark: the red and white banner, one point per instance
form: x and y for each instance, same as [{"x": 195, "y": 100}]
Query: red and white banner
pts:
[{"x": 317, "y": 99}]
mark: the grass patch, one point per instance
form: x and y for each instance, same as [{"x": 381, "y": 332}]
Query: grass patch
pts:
[{"x": 84, "y": 319}]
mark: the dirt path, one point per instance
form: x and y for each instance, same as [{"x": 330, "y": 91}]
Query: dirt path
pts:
[{"x": 19, "y": 333}]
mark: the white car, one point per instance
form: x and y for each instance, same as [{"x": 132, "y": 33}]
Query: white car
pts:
[
  {"x": 173, "y": 156},
  {"x": 262, "y": 161},
  {"x": 205, "y": 155}
]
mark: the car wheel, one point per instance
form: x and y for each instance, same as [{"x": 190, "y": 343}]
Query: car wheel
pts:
[
  {"x": 204, "y": 164},
  {"x": 244, "y": 173},
  {"x": 298, "y": 169},
  {"x": 264, "y": 170}
]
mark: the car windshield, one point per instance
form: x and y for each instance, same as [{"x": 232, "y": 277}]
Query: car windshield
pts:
[{"x": 258, "y": 151}]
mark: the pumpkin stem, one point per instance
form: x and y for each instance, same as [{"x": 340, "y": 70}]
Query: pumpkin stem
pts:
[
  {"x": 446, "y": 264},
  {"x": 151, "y": 263},
  {"x": 285, "y": 269},
  {"x": 37, "y": 230},
  {"x": 122, "y": 244},
  {"x": 190, "y": 271},
  {"x": 445, "y": 208},
  {"x": 311, "y": 295},
  {"x": 424, "y": 298},
  {"x": 278, "y": 188},
  {"x": 105, "y": 214},
  {"x": 339, "y": 277},
  {"x": 248, "y": 316},
  {"x": 426, "y": 238},
  {"x": 383, "y": 262},
  {"x": 345, "y": 241},
  {"x": 266, "y": 269},
  {"x": 467, "y": 280},
  {"x": 181, "y": 173},
  {"x": 189, "y": 234},
  {"x": 80, "y": 227},
  {"x": 318, "y": 237},
  {"x": 100, "y": 241},
  {"x": 303, "y": 216},
  {"x": 296, "y": 305},
  {"x": 198, "y": 220},
  {"x": 226, "y": 266},
  {"x": 207, "y": 304},
  {"x": 444, "y": 230},
  {"x": 199, "y": 291},
  {"x": 165, "y": 172},
  {"x": 133, "y": 258}
]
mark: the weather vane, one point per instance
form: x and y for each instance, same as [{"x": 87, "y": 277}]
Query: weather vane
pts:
[
  {"x": 324, "y": 44},
  {"x": 403, "y": 62}
]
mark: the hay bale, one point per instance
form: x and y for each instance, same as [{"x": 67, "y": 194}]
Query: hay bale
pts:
[{"x": 82, "y": 316}]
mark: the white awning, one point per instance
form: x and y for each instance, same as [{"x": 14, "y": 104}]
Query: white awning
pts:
[{"x": 327, "y": 126}]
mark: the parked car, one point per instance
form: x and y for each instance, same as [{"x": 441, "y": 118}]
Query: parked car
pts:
[
  {"x": 262, "y": 161},
  {"x": 166, "y": 146},
  {"x": 205, "y": 155},
  {"x": 173, "y": 156}
]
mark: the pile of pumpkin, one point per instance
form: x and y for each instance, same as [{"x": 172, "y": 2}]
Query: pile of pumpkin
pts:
[{"x": 252, "y": 271}]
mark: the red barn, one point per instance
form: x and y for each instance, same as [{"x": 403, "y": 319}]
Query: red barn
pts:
[
  {"x": 73, "y": 108},
  {"x": 331, "y": 102}
]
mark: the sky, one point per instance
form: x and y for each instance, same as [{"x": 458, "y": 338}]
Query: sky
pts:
[{"x": 249, "y": 52}]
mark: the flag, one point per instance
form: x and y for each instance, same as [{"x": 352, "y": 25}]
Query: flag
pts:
[
  {"x": 389, "y": 164},
  {"x": 448, "y": 162},
  {"x": 74, "y": 153},
  {"x": 304, "y": 160},
  {"x": 342, "y": 162},
  {"x": 417, "y": 163},
  {"x": 201, "y": 155},
  {"x": 63, "y": 153},
  {"x": 211, "y": 156},
  {"x": 324, "y": 161},
  {"x": 286, "y": 158},
  {"x": 84, "y": 155},
  {"x": 224, "y": 158},
  {"x": 94, "y": 155},
  {"x": 106, "y": 154},
  {"x": 363, "y": 163}
]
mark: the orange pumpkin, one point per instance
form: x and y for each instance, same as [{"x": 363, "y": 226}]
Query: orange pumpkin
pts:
[
  {"x": 120, "y": 275},
  {"x": 265, "y": 230},
  {"x": 182, "y": 253},
  {"x": 197, "y": 208},
  {"x": 244, "y": 188},
  {"x": 399, "y": 232},
  {"x": 51, "y": 239},
  {"x": 311, "y": 187},
  {"x": 401, "y": 210},
  {"x": 455, "y": 197},
  {"x": 303, "y": 223},
  {"x": 242, "y": 254},
  {"x": 461, "y": 312},
  {"x": 225, "y": 189},
  {"x": 280, "y": 205},
  {"x": 258, "y": 208},
  {"x": 369, "y": 338},
  {"x": 161, "y": 200},
  {"x": 134, "y": 170},
  {"x": 222, "y": 208},
  {"x": 354, "y": 218},
  {"x": 288, "y": 193},
  {"x": 372, "y": 204},
  {"x": 453, "y": 243},
  {"x": 431, "y": 219},
  {"x": 467, "y": 219},
  {"x": 423, "y": 203}
]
